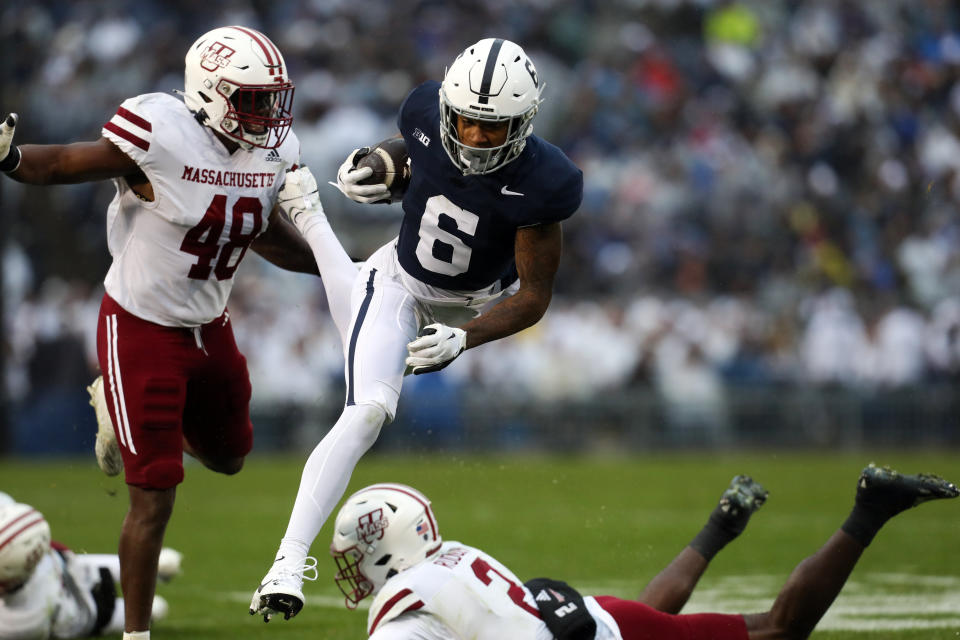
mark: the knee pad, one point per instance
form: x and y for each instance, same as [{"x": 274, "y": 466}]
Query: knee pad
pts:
[
  {"x": 381, "y": 396},
  {"x": 364, "y": 421}
]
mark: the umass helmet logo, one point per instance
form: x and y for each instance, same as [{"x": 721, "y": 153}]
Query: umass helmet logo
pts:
[
  {"x": 370, "y": 526},
  {"x": 216, "y": 56}
]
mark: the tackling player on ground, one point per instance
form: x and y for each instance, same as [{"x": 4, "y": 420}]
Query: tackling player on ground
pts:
[
  {"x": 480, "y": 232},
  {"x": 197, "y": 184},
  {"x": 48, "y": 591},
  {"x": 386, "y": 543}
]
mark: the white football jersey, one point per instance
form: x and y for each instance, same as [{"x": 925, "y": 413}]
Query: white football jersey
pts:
[
  {"x": 174, "y": 258},
  {"x": 54, "y": 603},
  {"x": 467, "y": 594}
]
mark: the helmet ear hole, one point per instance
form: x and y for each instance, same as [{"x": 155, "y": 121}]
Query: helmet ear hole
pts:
[{"x": 384, "y": 560}]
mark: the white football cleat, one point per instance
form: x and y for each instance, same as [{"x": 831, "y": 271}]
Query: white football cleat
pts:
[
  {"x": 168, "y": 565},
  {"x": 106, "y": 447},
  {"x": 281, "y": 590}
]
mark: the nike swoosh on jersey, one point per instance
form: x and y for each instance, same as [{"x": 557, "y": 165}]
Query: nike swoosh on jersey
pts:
[{"x": 507, "y": 192}]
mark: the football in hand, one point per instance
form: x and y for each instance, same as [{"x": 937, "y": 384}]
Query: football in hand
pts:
[{"x": 388, "y": 159}]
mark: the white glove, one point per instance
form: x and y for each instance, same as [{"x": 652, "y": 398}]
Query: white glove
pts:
[
  {"x": 9, "y": 159},
  {"x": 348, "y": 176},
  {"x": 299, "y": 199},
  {"x": 436, "y": 347}
]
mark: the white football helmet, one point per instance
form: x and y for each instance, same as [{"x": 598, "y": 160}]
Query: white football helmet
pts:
[
  {"x": 24, "y": 539},
  {"x": 380, "y": 531},
  {"x": 237, "y": 83},
  {"x": 492, "y": 81}
]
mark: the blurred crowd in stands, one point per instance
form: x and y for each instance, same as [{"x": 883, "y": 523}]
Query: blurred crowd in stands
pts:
[{"x": 771, "y": 186}]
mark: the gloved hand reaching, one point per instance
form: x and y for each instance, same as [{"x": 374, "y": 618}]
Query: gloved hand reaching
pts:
[
  {"x": 436, "y": 347},
  {"x": 299, "y": 199},
  {"x": 9, "y": 156}
]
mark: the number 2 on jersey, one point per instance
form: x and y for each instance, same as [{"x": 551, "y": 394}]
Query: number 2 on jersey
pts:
[
  {"x": 482, "y": 569},
  {"x": 203, "y": 240}
]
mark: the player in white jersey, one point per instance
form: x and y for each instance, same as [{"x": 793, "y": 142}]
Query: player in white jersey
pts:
[
  {"x": 48, "y": 591},
  {"x": 198, "y": 181},
  {"x": 386, "y": 543}
]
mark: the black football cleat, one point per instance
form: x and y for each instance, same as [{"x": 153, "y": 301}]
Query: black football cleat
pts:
[
  {"x": 884, "y": 490},
  {"x": 273, "y": 603},
  {"x": 744, "y": 496}
]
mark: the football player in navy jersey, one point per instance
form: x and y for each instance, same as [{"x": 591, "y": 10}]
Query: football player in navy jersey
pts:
[{"x": 480, "y": 233}]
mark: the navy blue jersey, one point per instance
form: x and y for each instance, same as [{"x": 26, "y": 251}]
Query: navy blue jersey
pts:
[{"x": 458, "y": 231}]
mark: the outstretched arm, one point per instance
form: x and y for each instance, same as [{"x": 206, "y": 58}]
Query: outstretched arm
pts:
[
  {"x": 72, "y": 163},
  {"x": 283, "y": 246},
  {"x": 670, "y": 590},
  {"x": 61, "y": 163}
]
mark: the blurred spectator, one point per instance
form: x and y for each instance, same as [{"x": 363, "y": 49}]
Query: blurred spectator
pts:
[{"x": 777, "y": 165}]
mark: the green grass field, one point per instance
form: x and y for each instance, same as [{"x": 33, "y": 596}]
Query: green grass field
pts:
[{"x": 604, "y": 525}]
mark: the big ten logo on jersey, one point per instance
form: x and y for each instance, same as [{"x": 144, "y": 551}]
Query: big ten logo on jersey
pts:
[
  {"x": 451, "y": 558},
  {"x": 370, "y": 526},
  {"x": 216, "y": 56},
  {"x": 422, "y": 137}
]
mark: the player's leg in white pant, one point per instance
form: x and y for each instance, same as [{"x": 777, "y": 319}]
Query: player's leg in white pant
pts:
[
  {"x": 384, "y": 320},
  {"x": 337, "y": 272}
]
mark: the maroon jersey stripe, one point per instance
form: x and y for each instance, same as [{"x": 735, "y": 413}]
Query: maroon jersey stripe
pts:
[
  {"x": 135, "y": 119},
  {"x": 403, "y": 593},
  {"x": 126, "y": 135}
]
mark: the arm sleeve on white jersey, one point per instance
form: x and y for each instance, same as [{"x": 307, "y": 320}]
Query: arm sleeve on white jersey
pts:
[
  {"x": 394, "y": 599},
  {"x": 131, "y": 127},
  {"x": 413, "y": 625}
]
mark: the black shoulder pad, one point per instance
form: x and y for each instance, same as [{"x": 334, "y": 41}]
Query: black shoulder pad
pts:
[{"x": 562, "y": 609}]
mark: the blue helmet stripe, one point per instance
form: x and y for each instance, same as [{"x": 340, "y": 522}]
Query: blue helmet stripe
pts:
[{"x": 488, "y": 71}]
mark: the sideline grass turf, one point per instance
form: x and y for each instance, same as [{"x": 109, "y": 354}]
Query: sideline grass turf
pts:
[{"x": 598, "y": 523}]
